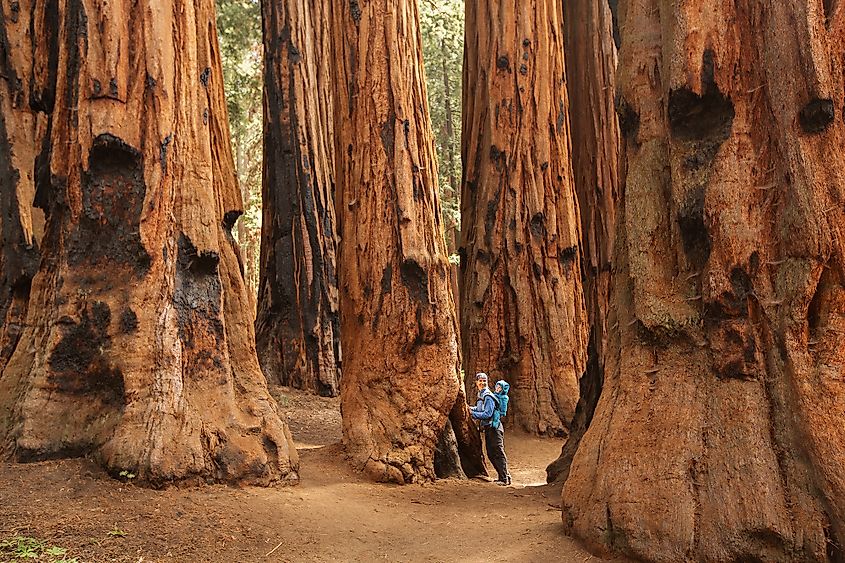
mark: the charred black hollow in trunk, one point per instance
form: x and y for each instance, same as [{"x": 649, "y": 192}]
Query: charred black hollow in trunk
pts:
[
  {"x": 415, "y": 278},
  {"x": 829, "y": 9},
  {"x": 197, "y": 296},
  {"x": 230, "y": 218},
  {"x": 694, "y": 233},
  {"x": 113, "y": 192},
  {"x": 128, "y": 321},
  {"x": 816, "y": 116},
  {"x": 629, "y": 119},
  {"x": 447, "y": 462},
  {"x": 80, "y": 364},
  {"x": 693, "y": 117},
  {"x": 709, "y": 116}
]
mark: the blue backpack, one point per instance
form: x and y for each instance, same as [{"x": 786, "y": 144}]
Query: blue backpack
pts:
[{"x": 501, "y": 400}]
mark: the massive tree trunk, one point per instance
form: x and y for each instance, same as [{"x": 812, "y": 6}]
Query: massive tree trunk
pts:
[
  {"x": 590, "y": 71},
  {"x": 22, "y": 128},
  {"x": 397, "y": 315},
  {"x": 720, "y": 433},
  {"x": 298, "y": 320},
  {"x": 522, "y": 310},
  {"x": 138, "y": 343}
]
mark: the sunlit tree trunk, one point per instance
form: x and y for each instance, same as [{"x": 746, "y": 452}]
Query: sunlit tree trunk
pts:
[
  {"x": 720, "y": 432},
  {"x": 401, "y": 382},
  {"x": 591, "y": 69},
  {"x": 522, "y": 310},
  {"x": 298, "y": 320},
  {"x": 138, "y": 347}
]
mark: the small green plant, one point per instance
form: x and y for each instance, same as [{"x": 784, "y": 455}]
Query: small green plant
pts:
[
  {"x": 127, "y": 474},
  {"x": 117, "y": 532},
  {"x": 23, "y": 548}
]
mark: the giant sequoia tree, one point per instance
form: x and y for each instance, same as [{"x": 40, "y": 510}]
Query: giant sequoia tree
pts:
[
  {"x": 590, "y": 71},
  {"x": 398, "y": 330},
  {"x": 297, "y": 327},
  {"x": 138, "y": 342},
  {"x": 22, "y": 126},
  {"x": 720, "y": 433},
  {"x": 522, "y": 312}
]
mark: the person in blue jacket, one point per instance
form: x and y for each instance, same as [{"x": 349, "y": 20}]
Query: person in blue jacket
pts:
[{"x": 494, "y": 434}]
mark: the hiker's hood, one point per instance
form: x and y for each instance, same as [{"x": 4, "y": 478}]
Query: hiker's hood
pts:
[{"x": 505, "y": 386}]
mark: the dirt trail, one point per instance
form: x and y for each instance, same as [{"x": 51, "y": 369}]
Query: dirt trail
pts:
[{"x": 333, "y": 515}]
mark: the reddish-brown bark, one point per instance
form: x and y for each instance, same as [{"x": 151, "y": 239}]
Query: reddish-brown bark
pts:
[
  {"x": 596, "y": 147},
  {"x": 22, "y": 127},
  {"x": 297, "y": 327},
  {"x": 522, "y": 310},
  {"x": 138, "y": 347},
  {"x": 398, "y": 331},
  {"x": 720, "y": 433}
]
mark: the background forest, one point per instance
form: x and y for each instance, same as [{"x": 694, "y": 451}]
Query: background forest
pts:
[{"x": 239, "y": 28}]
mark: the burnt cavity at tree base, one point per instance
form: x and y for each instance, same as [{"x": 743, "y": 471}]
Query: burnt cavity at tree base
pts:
[{"x": 112, "y": 201}]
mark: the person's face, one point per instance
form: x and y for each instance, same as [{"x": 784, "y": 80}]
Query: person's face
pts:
[
  {"x": 480, "y": 384},
  {"x": 498, "y": 388}
]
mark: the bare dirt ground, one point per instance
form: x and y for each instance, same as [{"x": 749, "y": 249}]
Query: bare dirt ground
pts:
[{"x": 333, "y": 515}]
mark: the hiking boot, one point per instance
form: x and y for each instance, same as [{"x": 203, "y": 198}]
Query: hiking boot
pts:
[
  {"x": 501, "y": 483},
  {"x": 509, "y": 480}
]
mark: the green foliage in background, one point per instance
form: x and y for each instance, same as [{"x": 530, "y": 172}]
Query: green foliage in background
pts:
[
  {"x": 239, "y": 27},
  {"x": 442, "y": 24},
  {"x": 239, "y": 30}
]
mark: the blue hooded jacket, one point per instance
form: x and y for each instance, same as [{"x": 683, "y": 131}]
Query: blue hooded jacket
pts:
[
  {"x": 485, "y": 408},
  {"x": 501, "y": 402}
]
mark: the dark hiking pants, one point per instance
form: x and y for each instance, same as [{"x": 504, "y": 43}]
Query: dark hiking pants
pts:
[{"x": 495, "y": 440}]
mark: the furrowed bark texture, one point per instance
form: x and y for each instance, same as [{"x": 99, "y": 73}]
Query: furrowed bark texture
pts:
[
  {"x": 590, "y": 71},
  {"x": 298, "y": 323},
  {"x": 397, "y": 315},
  {"x": 720, "y": 433},
  {"x": 522, "y": 310},
  {"x": 22, "y": 128},
  {"x": 138, "y": 347}
]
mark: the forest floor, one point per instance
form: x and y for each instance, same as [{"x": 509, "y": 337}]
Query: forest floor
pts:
[{"x": 334, "y": 514}]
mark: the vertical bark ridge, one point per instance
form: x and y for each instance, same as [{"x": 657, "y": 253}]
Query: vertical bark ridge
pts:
[
  {"x": 522, "y": 309},
  {"x": 718, "y": 435},
  {"x": 298, "y": 320}
]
